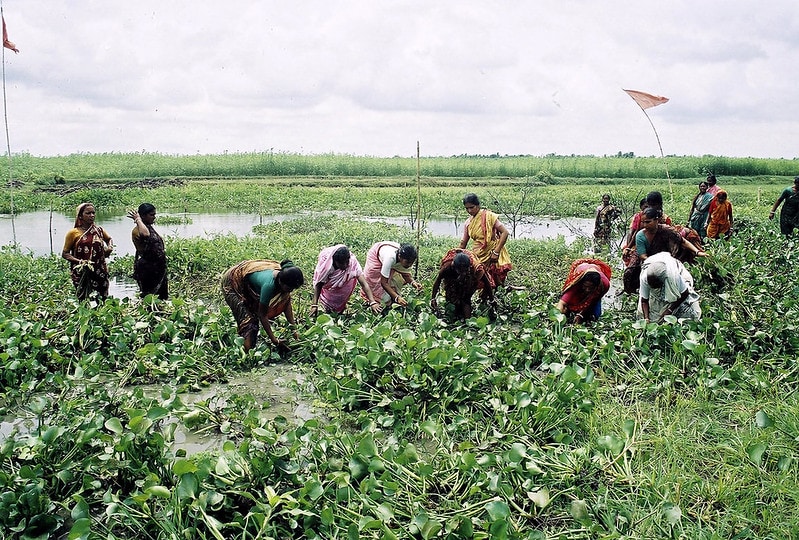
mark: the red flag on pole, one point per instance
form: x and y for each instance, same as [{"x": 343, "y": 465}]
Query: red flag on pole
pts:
[
  {"x": 644, "y": 100},
  {"x": 6, "y": 43}
]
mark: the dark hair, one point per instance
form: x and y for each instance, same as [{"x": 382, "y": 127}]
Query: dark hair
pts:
[
  {"x": 796, "y": 180},
  {"x": 471, "y": 198},
  {"x": 461, "y": 260},
  {"x": 407, "y": 252},
  {"x": 591, "y": 277},
  {"x": 653, "y": 213},
  {"x": 146, "y": 208},
  {"x": 703, "y": 182},
  {"x": 290, "y": 275},
  {"x": 711, "y": 178},
  {"x": 642, "y": 203},
  {"x": 341, "y": 256},
  {"x": 654, "y": 198}
]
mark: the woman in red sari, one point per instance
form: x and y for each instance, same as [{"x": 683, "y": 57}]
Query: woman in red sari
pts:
[
  {"x": 462, "y": 274},
  {"x": 86, "y": 247},
  {"x": 488, "y": 236},
  {"x": 587, "y": 283}
]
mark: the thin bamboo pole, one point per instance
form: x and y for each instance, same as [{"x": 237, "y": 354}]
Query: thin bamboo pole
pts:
[
  {"x": 8, "y": 143},
  {"x": 662, "y": 156},
  {"x": 418, "y": 212}
]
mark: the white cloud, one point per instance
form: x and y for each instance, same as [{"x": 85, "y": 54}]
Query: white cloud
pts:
[{"x": 365, "y": 77}]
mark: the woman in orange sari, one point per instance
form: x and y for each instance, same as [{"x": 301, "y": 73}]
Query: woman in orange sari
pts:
[
  {"x": 720, "y": 216},
  {"x": 258, "y": 291},
  {"x": 86, "y": 246},
  {"x": 588, "y": 281},
  {"x": 488, "y": 236}
]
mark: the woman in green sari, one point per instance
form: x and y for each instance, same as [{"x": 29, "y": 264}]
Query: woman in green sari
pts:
[
  {"x": 258, "y": 291},
  {"x": 700, "y": 208}
]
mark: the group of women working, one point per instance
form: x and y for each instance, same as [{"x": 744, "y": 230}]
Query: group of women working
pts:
[{"x": 257, "y": 291}]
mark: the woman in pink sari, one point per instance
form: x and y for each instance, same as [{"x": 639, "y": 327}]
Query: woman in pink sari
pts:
[
  {"x": 337, "y": 272},
  {"x": 387, "y": 271},
  {"x": 86, "y": 246}
]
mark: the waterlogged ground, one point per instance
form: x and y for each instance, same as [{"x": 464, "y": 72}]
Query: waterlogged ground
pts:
[
  {"x": 524, "y": 427},
  {"x": 279, "y": 390}
]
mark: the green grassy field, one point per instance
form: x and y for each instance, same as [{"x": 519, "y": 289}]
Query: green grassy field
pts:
[
  {"x": 266, "y": 164},
  {"x": 523, "y": 428}
]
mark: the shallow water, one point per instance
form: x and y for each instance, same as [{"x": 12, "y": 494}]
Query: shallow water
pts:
[
  {"x": 281, "y": 389},
  {"x": 42, "y": 233}
]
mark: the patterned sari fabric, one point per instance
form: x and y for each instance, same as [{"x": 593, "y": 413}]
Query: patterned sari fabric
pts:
[
  {"x": 484, "y": 236},
  {"x": 459, "y": 291},
  {"x": 605, "y": 214},
  {"x": 699, "y": 213},
  {"x": 337, "y": 285},
  {"x": 244, "y": 300},
  {"x": 149, "y": 265},
  {"x": 572, "y": 295},
  {"x": 91, "y": 275}
]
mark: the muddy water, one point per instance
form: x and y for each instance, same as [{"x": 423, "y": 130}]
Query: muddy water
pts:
[{"x": 280, "y": 389}]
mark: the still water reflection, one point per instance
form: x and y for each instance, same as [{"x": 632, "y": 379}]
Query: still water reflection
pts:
[{"x": 42, "y": 233}]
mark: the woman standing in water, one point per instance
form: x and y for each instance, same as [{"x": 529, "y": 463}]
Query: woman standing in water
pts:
[
  {"x": 149, "y": 265},
  {"x": 86, "y": 247}
]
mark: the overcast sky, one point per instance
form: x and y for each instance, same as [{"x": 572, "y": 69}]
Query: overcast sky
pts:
[{"x": 374, "y": 77}]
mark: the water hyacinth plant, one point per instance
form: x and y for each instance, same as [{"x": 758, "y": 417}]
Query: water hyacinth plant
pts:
[{"x": 520, "y": 427}]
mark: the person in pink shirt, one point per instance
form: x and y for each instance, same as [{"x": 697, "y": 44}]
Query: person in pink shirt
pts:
[{"x": 337, "y": 272}]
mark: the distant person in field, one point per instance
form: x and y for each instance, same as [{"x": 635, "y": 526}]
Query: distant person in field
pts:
[
  {"x": 257, "y": 291},
  {"x": 712, "y": 184},
  {"x": 581, "y": 298},
  {"x": 720, "y": 221},
  {"x": 789, "y": 215},
  {"x": 667, "y": 288},
  {"x": 86, "y": 247},
  {"x": 149, "y": 264},
  {"x": 488, "y": 236},
  {"x": 603, "y": 224},
  {"x": 387, "y": 271},
  {"x": 334, "y": 279},
  {"x": 700, "y": 208},
  {"x": 462, "y": 275}
]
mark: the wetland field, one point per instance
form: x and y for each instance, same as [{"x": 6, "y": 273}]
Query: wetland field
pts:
[{"x": 140, "y": 418}]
